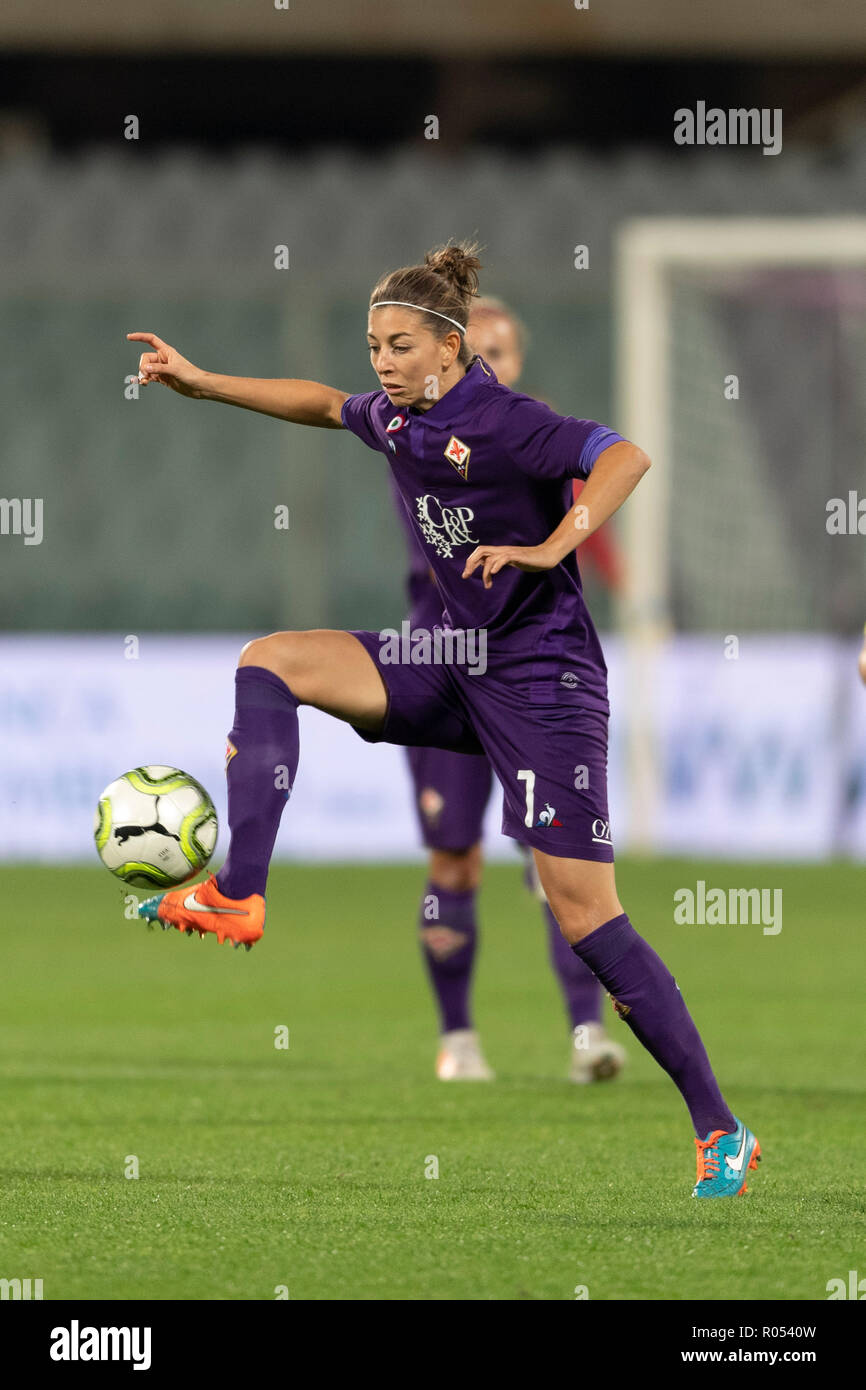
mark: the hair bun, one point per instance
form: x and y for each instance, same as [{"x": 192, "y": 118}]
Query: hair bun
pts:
[{"x": 457, "y": 263}]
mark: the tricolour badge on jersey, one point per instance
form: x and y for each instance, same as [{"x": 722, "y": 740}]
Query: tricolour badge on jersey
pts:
[
  {"x": 396, "y": 424},
  {"x": 457, "y": 454}
]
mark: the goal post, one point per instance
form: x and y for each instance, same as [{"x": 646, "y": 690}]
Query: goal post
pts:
[{"x": 688, "y": 290}]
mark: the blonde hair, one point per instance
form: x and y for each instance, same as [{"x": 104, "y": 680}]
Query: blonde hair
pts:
[{"x": 488, "y": 307}]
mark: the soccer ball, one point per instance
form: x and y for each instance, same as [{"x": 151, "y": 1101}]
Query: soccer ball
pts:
[{"x": 154, "y": 827}]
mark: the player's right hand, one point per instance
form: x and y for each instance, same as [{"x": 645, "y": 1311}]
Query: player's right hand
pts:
[{"x": 166, "y": 367}]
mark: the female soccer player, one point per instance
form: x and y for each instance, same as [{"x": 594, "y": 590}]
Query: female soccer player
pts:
[
  {"x": 451, "y": 792},
  {"x": 483, "y": 472}
]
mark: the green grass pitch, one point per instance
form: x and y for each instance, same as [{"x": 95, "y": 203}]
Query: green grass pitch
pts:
[{"x": 304, "y": 1168}]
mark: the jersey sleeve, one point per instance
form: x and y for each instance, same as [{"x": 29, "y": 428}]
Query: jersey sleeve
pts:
[
  {"x": 546, "y": 445},
  {"x": 359, "y": 416}
]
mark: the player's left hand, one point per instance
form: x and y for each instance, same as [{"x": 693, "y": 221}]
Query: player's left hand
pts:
[{"x": 532, "y": 558}]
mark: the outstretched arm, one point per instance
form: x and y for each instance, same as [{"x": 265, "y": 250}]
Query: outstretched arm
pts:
[
  {"x": 300, "y": 402},
  {"x": 616, "y": 473}
]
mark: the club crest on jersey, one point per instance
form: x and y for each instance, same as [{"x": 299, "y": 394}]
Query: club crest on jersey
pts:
[
  {"x": 547, "y": 818},
  {"x": 457, "y": 454}
]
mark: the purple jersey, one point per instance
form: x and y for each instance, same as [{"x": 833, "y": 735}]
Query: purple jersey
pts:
[
  {"x": 420, "y": 583},
  {"x": 487, "y": 465}
]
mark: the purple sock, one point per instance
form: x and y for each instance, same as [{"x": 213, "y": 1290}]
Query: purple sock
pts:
[
  {"x": 261, "y": 762},
  {"x": 581, "y": 991},
  {"x": 646, "y": 995},
  {"x": 448, "y": 941}
]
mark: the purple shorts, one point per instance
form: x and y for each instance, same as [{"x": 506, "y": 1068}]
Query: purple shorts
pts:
[
  {"x": 551, "y": 759},
  {"x": 451, "y": 789},
  {"x": 451, "y": 795}
]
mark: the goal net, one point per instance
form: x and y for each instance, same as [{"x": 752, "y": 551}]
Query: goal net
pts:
[{"x": 742, "y": 372}]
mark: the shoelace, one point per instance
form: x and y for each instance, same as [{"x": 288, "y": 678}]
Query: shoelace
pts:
[{"x": 708, "y": 1156}]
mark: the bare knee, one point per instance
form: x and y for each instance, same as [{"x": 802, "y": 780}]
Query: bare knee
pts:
[
  {"x": 456, "y": 871},
  {"x": 280, "y": 652},
  {"x": 581, "y": 894},
  {"x": 577, "y": 919},
  {"x": 259, "y": 652}
]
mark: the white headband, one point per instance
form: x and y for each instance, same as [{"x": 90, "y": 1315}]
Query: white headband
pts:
[{"x": 403, "y": 304}]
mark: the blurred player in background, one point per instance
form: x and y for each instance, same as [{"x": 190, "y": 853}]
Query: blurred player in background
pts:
[
  {"x": 451, "y": 792},
  {"x": 861, "y": 663}
]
